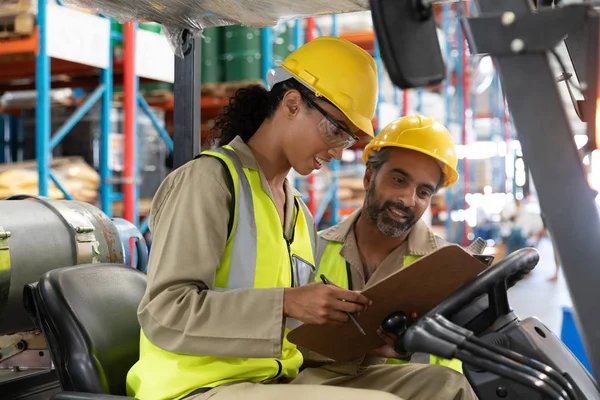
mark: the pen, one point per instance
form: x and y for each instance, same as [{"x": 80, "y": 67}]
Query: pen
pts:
[{"x": 352, "y": 317}]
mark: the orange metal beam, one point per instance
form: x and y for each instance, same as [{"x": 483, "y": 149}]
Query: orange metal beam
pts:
[
  {"x": 365, "y": 40},
  {"x": 20, "y": 46}
]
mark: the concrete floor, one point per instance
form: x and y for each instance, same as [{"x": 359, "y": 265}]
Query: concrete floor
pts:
[{"x": 536, "y": 296}]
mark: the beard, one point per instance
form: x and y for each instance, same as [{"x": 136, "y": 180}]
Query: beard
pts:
[{"x": 379, "y": 216}]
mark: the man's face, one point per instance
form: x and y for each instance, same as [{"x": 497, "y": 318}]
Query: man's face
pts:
[{"x": 400, "y": 191}]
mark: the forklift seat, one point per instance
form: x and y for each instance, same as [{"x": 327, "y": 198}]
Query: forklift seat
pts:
[{"x": 88, "y": 314}]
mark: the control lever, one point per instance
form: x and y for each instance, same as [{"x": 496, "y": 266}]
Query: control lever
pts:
[
  {"x": 463, "y": 342},
  {"x": 396, "y": 324},
  {"x": 429, "y": 336},
  {"x": 516, "y": 357}
]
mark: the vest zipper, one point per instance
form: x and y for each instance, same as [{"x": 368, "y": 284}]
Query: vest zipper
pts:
[{"x": 289, "y": 248}]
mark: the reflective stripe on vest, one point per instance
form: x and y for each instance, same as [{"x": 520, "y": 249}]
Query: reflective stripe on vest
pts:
[
  {"x": 256, "y": 256},
  {"x": 244, "y": 234},
  {"x": 331, "y": 263},
  {"x": 241, "y": 273}
]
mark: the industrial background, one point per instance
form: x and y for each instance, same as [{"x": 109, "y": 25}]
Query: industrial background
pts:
[{"x": 66, "y": 131}]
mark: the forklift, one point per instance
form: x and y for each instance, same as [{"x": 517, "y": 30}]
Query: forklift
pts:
[{"x": 86, "y": 312}]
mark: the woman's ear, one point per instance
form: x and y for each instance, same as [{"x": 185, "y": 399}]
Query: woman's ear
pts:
[{"x": 291, "y": 103}]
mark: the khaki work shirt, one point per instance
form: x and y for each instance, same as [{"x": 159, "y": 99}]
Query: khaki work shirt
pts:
[
  {"x": 420, "y": 242},
  {"x": 188, "y": 219}
]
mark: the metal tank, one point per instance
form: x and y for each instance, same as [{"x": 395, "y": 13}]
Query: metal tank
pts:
[{"x": 38, "y": 235}]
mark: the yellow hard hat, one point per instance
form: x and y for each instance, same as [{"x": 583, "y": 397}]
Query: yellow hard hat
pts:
[
  {"x": 340, "y": 71},
  {"x": 423, "y": 134}
]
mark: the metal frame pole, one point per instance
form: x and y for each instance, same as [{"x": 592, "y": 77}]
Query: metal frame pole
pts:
[
  {"x": 547, "y": 143},
  {"x": 42, "y": 82},
  {"x": 187, "y": 92},
  {"x": 450, "y": 70},
  {"x": 334, "y": 165},
  {"x": 130, "y": 108},
  {"x": 312, "y": 201}
]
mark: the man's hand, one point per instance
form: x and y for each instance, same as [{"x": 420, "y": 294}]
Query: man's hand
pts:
[
  {"x": 321, "y": 304},
  {"x": 388, "y": 349}
]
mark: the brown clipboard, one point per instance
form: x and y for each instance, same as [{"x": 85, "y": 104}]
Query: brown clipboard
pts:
[{"x": 416, "y": 288}]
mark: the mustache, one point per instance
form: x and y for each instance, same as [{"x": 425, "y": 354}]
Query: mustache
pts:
[{"x": 400, "y": 206}]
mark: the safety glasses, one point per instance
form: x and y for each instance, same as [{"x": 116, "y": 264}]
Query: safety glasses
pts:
[{"x": 334, "y": 134}]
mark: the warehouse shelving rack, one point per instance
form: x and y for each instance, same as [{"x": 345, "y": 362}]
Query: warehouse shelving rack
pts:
[
  {"x": 134, "y": 102},
  {"x": 50, "y": 53}
]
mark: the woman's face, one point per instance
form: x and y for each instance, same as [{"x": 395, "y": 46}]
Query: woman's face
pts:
[{"x": 318, "y": 132}]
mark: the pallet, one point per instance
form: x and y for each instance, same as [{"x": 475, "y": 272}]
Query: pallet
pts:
[
  {"x": 158, "y": 96},
  {"x": 16, "y": 7},
  {"x": 226, "y": 89},
  {"x": 152, "y": 96},
  {"x": 15, "y": 57},
  {"x": 19, "y": 25}
]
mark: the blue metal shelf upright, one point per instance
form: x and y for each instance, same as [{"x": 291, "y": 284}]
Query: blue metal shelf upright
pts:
[{"x": 45, "y": 141}]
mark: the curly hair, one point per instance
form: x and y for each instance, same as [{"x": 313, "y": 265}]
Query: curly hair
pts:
[{"x": 249, "y": 108}]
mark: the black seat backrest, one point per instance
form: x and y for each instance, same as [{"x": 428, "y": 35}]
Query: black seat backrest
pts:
[{"x": 89, "y": 316}]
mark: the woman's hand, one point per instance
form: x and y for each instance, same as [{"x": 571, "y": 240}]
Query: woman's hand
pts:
[{"x": 321, "y": 304}]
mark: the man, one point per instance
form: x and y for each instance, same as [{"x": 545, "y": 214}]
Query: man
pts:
[{"x": 407, "y": 163}]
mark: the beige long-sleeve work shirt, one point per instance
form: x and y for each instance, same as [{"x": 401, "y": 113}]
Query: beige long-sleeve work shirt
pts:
[
  {"x": 420, "y": 242},
  {"x": 189, "y": 221}
]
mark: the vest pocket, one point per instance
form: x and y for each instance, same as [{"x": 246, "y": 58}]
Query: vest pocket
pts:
[{"x": 303, "y": 271}]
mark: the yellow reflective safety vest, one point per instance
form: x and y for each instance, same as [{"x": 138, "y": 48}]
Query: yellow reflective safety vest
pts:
[
  {"x": 337, "y": 269},
  {"x": 257, "y": 255}
]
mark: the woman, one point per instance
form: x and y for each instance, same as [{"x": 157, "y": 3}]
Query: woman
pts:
[{"x": 233, "y": 242}]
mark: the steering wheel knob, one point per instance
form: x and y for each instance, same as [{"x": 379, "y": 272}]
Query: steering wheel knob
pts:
[{"x": 395, "y": 323}]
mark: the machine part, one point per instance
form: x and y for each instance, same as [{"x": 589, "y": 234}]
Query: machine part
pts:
[
  {"x": 532, "y": 339},
  {"x": 537, "y": 32},
  {"x": 4, "y": 266},
  {"x": 494, "y": 282},
  {"x": 12, "y": 350},
  {"x": 49, "y": 234},
  {"x": 23, "y": 350},
  {"x": 529, "y": 83},
  {"x": 32, "y": 384},
  {"x": 29, "y": 359},
  {"x": 186, "y": 134}
]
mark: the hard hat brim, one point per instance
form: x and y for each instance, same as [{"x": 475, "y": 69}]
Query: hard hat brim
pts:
[{"x": 362, "y": 123}]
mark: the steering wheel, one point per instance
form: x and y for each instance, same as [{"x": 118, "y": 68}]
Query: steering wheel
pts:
[{"x": 482, "y": 310}]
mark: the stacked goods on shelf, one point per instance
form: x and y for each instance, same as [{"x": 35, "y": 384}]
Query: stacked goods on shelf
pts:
[
  {"x": 17, "y": 18},
  {"x": 241, "y": 53},
  {"x": 78, "y": 178},
  {"x": 351, "y": 192},
  {"x": 211, "y": 70},
  {"x": 284, "y": 41},
  {"x": 83, "y": 140},
  {"x": 480, "y": 170}
]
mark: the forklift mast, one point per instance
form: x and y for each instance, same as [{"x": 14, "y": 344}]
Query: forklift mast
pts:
[{"x": 521, "y": 41}]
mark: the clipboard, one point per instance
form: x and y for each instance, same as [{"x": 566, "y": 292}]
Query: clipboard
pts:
[{"x": 416, "y": 288}]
